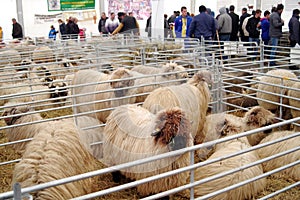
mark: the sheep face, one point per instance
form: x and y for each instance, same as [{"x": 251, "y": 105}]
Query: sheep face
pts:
[
  {"x": 58, "y": 89},
  {"x": 259, "y": 117},
  {"x": 14, "y": 111},
  {"x": 119, "y": 74},
  {"x": 172, "y": 129},
  {"x": 173, "y": 67},
  {"x": 231, "y": 127},
  {"x": 202, "y": 76}
]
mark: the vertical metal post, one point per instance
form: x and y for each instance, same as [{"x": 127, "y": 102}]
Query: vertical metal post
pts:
[
  {"x": 192, "y": 162},
  {"x": 17, "y": 191},
  {"x": 20, "y": 14},
  {"x": 262, "y": 55}
]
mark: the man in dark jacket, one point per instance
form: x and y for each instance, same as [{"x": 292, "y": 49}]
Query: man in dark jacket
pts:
[
  {"x": 72, "y": 28},
  {"x": 235, "y": 24},
  {"x": 294, "y": 28},
  {"x": 202, "y": 25},
  {"x": 17, "y": 32},
  {"x": 101, "y": 24},
  {"x": 275, "y": 31},
  {"x": 128, "y": 25},
  {"x": 253, "y": 26}
]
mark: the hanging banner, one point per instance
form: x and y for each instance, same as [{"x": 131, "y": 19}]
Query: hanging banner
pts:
[
  {"x": 65, "y": 5},
  {"x": 41, "y": 19}
]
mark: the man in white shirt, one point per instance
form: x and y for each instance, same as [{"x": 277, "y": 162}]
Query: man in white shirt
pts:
[{"x": 111, "y": 23}]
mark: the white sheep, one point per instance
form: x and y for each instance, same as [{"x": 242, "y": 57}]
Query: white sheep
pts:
[
  {"x": 166, "y": 68},
  {"x": 133, "y": 133},
  {"x": 193, "y": 97},
  {"x": 295, "y": 102},
  {"x": 55, "y": 153},
  {"x": 93, "y": 92},
  {"x": 21, "y": 132},
  {"x": 282, "y": 78},
  {"x": 155, "y": 81},
  {"x": 42, "y": 54},
  {"x": 248, "y": 191},
  {"x": 256, "y": 117},
  {"x": 41, "y": 96},
  {"x": 293, "y": 172}
]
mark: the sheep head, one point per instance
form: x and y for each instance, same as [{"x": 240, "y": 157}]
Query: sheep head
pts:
[
  {"x": 200, "y": 77},
  {"x": 231, "y": 126},
  {"x": 120, "y": 74},
  {"x": 14, "y": 111},
  {"x": 58, "y": 89},
  {"x": 172, "y": 128},
  {"x": 173, "y": 67},
  {"x": 258, "y": 117}
]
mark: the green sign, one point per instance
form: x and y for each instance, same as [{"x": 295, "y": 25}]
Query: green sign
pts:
[{"x": 65, "y": 5}]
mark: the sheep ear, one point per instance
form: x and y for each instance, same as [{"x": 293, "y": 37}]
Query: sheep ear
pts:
[{"x": 156, "y": 132}]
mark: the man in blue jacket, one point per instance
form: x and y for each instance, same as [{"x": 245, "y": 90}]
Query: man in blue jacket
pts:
[
  {"x": 182, "y": 24},
  {"x": 203, "y": 24}
]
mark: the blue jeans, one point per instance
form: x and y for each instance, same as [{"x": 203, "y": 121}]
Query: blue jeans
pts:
[
  {"x": 274, "y": 44},
  {"x": 224, "y": 37},
  {"x": 254, "y": 49}
]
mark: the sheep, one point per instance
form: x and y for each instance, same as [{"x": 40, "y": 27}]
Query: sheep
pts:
[
  {"x": 91, "y": 76},
  {"x": 193, "y": 97},
  {"x": 168, "y": 67},
  {"x": 20, "y": 132},
  {"x": 133, "y": 133},
  {"x": 91, "y": 134},
  {"x": 248, "y": 191},
  {"x": 295, "y": 103},
  {"x": 283, "y": 78},
  {"x": 10, "y": 56},
  {"x": 55, "y": 153},
  {"x": 42, "y": 97},
  {"x": 293, "y": 172},
  {"x": 42, "y": 54},
  {"x": 256, "y": 117}
]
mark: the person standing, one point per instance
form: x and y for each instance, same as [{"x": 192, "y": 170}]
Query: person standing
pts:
[
  {"x": 128, "y": 25},
  {"x": 235, "y": 24},
  {"x": 224, "y": 24},
  {"x": 17, "y": 32},
  {"x": 242, "y": 18},
  {"x": 52, "y": 33},
  {"x": 148, "y": 26},
  {"x": 182, "y": 24},
  {"x": 253, "y": 26},
  {"x": 62, "y": 29},
  {"x": 1, "y": 34},
  {"x": 101, "y": 24},
  {"x": 294, "y": 33},
  {"x": 275, "y": 31},
  {"x": 202, "y": 25},
  {"x": 72, "y": 28},
  {"x": 166, "y": 26},
  {"x": 111, "y": 23},
  {"x": 265, "y": 25}
]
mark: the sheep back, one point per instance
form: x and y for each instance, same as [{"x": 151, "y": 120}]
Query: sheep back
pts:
[
  {"x": 293, "y": 172},
  {"x": 286, "y": 76},
  {"x": 295, "y": 103},
  {"x": 188, "y": 97},
  {"x": 53, "y": 154},
  {"x": 247, "y": 191}
]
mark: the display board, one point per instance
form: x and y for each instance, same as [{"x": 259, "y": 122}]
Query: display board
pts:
[
  {"x": 140, "y": 8},
  {"x": 65, "y": 5}
]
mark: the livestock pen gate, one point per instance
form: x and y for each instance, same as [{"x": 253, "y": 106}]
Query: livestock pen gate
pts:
[{"x": 44, "y": 77}]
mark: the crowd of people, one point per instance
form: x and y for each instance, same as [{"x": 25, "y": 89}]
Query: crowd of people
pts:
[{"x": 226, "y": 26}]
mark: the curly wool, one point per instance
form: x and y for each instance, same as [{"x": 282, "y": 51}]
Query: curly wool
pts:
[
  {"x": 55, "y": 153},
  {"x": 193, "y": 97},
  {"x": 128, "y": 137},
  {"x": 293, "y": 172},
  {"x": 284, "y": 76}
]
